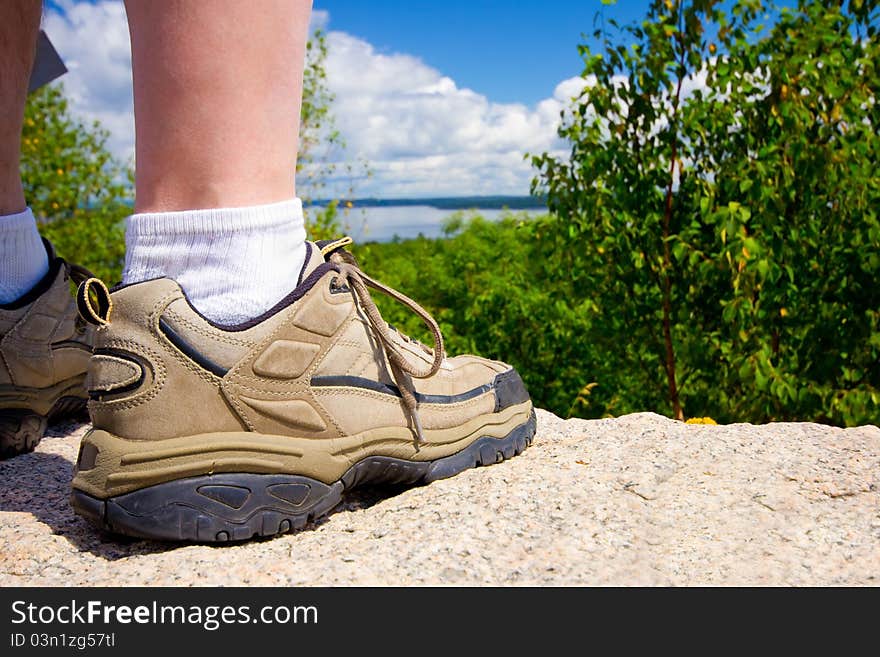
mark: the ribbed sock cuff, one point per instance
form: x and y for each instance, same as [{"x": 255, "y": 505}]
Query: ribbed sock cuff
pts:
[
  {"x": 216, "y": 220},
  {"x": 21, "y": 224},
  {"x": 23, "y": 258},
  {"x": 233, "y": 263}
]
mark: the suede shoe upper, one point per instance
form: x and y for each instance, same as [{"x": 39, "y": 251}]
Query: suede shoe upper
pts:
[{"x": 317, "y": 365}]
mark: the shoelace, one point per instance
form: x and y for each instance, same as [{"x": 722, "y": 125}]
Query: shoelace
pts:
[{"x": 402, "y": 368}]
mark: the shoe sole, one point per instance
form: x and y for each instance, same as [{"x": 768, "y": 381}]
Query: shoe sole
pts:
[
  {"x": 239, "y": 506},
  {"x": 21, "y": 429}
]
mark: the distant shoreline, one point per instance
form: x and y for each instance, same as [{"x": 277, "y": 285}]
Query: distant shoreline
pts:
[{"x": 446, "y": 203}]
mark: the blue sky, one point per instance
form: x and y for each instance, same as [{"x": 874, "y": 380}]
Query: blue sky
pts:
[
  {"x": 439, "y": 98},
  {"x": 509, "y": 50}
]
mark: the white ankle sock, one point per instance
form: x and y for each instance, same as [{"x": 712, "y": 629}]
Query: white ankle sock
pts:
[
  {"x": 23, "y": 259},
  {"x": 233, "y": 263}
]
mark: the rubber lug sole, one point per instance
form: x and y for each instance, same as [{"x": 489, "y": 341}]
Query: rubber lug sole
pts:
[
  {"x": 240, "y": 506},
  {"x": 21, "y": 429}
]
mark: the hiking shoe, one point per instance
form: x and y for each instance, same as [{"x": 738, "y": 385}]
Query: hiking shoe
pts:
[
  {"x": 44, "y": 354},
  {"x": 221, "y": 433}
]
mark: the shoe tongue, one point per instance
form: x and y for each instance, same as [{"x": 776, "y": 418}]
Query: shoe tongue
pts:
[
  {"x": 313, "y": 259},
  {"x": 319, "y": 252}
]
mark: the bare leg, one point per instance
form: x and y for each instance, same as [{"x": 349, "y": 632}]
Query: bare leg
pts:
[
  {"x": 19, "y": 24},
  {"x": 217, "y": 96},
  {"x": 217, "y": 91}
]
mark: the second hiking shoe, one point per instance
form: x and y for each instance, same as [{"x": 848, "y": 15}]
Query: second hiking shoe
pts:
[
  {"x": 44, "y": 352},
  {"x": 221, "y": 433}
]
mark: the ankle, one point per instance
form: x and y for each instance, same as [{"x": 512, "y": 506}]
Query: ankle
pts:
[{"x": 11, "y": 194}]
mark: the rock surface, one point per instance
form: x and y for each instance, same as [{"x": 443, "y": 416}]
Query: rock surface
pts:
[{"x": 638, "y": 499}]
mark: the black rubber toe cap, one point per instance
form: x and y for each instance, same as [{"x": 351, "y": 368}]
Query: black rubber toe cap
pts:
[{"x": 509, "y": 390}]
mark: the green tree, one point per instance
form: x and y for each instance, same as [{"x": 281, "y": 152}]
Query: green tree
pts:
[
  {"x": 319, "y": 139},
  {"x": 320, "y": 145},
  {"x": 76, "y": 189},
  {"x": 727, "y": 232},
  {"x": 80, "y": 193}
]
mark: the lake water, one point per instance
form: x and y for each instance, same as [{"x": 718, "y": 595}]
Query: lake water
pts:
[{"x": 381, "y": 224}]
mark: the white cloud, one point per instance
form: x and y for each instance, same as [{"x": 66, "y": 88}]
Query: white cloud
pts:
[
  {"x": 421, "y": 134},
  {"x": 319, "y": 19},
  {"x": 93, "y": 41}
]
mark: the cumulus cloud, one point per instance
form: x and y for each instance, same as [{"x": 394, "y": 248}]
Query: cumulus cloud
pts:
[
  {"x": 424, "y": 135},
  {"x": 93, "y": 41},
  {"x": 319, "y": 19},
  {"x": 421, "y": 134}
]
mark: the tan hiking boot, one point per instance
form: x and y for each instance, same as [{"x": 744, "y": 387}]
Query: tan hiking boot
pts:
[
  {"x": 44, "y": 353},
  {"x": 212, "y": 433}
]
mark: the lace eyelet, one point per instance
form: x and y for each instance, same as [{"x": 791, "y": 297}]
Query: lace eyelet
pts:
[{"x": 335, "y": 288}]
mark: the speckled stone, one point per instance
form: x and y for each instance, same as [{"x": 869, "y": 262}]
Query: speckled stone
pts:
[{"x": 639, "y": 499}]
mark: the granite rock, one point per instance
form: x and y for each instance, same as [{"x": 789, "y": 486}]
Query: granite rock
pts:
[{"x": 634, "y": 500}]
